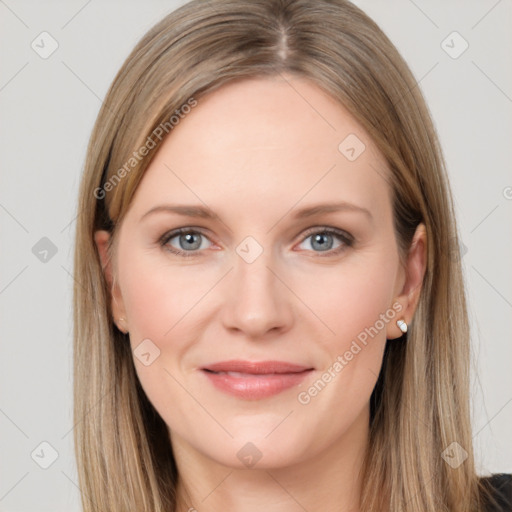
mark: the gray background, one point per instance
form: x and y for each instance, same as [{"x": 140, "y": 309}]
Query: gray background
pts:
[{"x": 48, "y": 107}]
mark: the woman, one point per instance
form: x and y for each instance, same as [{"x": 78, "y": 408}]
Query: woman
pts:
[{"x": 271, "y": 312}]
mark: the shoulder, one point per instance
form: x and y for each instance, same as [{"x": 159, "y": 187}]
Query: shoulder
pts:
[{"x": 499, "y": 487}]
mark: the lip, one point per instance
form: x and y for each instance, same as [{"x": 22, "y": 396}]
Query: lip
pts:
[{"x": 254, "y": 380}]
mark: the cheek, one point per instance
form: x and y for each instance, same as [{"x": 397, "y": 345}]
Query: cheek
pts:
[
  {"x": 350, "y": 299},
  {"x": 158, "y": 297},
  {"x": 162, "y": 303},
  {"x": 354, "y": 304}
]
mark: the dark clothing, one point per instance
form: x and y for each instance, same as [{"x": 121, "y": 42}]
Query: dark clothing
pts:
[{"x": 500, "y": 486}]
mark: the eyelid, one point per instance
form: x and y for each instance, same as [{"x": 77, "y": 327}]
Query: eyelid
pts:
[
  {"x": 346, "y": 238},
  {"x": 178, "y": 231},
  {"x": 168, "y": 235}
]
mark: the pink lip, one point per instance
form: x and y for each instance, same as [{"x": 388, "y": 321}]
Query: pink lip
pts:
[{"x": 255, "y": 380}]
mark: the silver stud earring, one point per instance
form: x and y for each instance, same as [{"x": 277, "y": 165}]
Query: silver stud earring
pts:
[{"x": 402, "y": 325}]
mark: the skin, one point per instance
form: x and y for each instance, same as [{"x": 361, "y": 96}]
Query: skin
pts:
[{"x": 256, "y": 151}]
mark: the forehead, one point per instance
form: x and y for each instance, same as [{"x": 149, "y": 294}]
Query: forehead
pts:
[{"x": 273, "y": 140}]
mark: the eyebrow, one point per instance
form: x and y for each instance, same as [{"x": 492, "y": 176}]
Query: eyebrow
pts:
[{"x": 207, "y": 213}]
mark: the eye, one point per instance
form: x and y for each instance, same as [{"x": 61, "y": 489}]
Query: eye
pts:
[
  {"x": 188, "y": 242},
  {"x": 323, "y": 239}
]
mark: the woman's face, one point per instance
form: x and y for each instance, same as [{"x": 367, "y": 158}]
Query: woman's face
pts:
[{"x": 296, "y": 262}]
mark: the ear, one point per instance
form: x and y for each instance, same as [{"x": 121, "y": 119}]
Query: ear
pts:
[
  {"x": 414, "y": 270},
  {"x": 102, "y": 239}
]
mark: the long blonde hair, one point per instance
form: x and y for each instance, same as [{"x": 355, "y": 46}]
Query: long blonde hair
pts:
[{"x": 420, "y": 405}]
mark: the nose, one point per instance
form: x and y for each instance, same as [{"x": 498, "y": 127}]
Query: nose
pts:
[{"x": 258, "y": 301}]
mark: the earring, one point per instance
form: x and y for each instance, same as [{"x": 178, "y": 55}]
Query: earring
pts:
[{"x": 402, "y": 325}]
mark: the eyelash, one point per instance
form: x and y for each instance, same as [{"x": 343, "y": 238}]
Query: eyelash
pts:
[{"x": 346, "y": 239}]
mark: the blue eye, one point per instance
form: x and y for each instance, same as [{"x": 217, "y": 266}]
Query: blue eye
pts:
[
  {"x": 323, "y": 239},
  {"x": 188, "y": 239}
]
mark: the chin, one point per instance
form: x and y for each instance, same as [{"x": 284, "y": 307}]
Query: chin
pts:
[{"x": 256, "y": 451}]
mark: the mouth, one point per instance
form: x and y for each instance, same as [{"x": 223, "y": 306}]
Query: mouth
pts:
[
  {"x": 255, "y": 367},
  {"x": 255, "y": 380}
]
